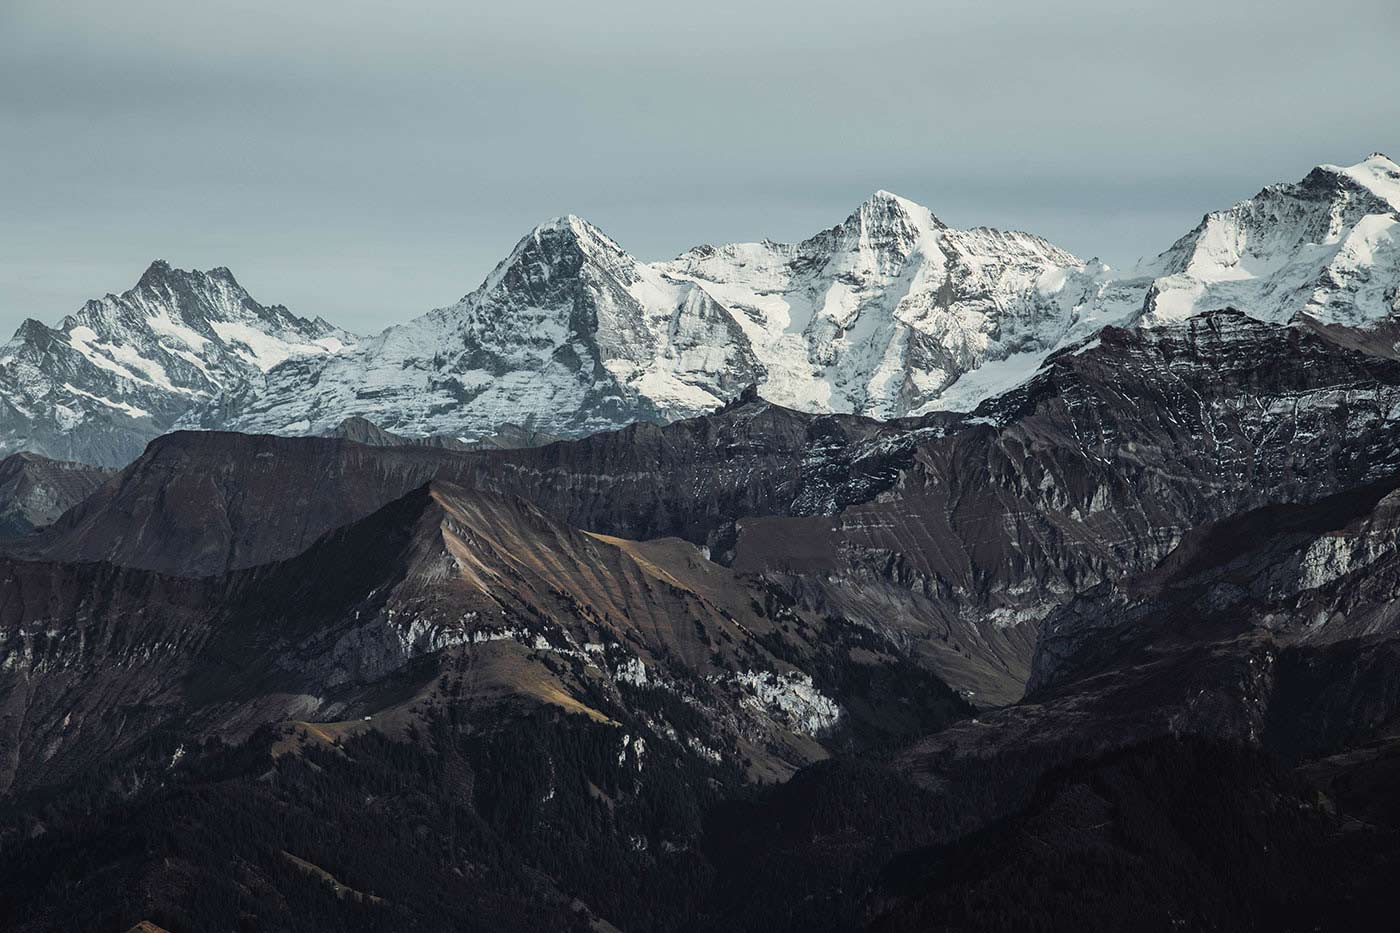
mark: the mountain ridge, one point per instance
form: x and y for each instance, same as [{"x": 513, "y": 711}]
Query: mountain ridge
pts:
[
  {"x": 888, "y": 313},
  {"x": 124, "y": 368}
]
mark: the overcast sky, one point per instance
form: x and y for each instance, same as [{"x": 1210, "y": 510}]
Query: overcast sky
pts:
[{"x": 367, "y": 161}]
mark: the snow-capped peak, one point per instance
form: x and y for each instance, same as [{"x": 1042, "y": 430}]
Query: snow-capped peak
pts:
[
  {"x": 571, "y": 223},
  {"x": 1324, "y": 248},
  {"x": 575, "y": 228},
  {"x": 562, "y": 222},
  {"x": 569, "y": 333},
  {"x": 126, "y": 366},
  {"x": 881, "y": 312},
  {"x": 555, "y": 249},
  {"x": 1378, "y": 174},
  {"x": 898, "y": 221},
  {"x": 890, "y": 203}
]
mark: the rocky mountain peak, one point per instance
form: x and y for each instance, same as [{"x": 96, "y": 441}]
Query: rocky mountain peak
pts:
[
  {"x": 889, "y": 226},
  {"x": 575, "y": 232},
  {"x": 362, "y": 431},
  {"x": 566, "y": 224},
  {"x": 31, "y": 331},
  {"x": 884, "y": 205},
  {"x": 190, "y": 287},
  {"x": 156, "y": 273},
  {"x": 556, "y": 249},
  {"x": 125, "y": 367}
]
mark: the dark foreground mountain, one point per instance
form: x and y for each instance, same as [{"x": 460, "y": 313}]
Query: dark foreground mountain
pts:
[
  {"x": 1116, "y": 649},
  {"x": 445, "y": 618},
  {"x": 1231, "y": 771},
  {"x": 441, "y": 597}
]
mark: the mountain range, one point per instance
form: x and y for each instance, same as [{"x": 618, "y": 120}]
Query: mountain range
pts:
[
  {"x": 904, "y": 578},
  {"x": 890, "y": 313},
  {"x": 125, "y": 367}
]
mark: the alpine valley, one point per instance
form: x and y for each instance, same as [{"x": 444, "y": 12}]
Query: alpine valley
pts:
[{"x": 901, "y": 578}]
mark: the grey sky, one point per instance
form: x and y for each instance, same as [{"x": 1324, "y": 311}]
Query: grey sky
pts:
[{"x": 369, "y": 161}]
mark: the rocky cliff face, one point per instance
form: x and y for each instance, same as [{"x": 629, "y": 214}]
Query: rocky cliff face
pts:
[
  {"x": 1310, "y": 574},
  {"x": 1091, "y": 470},
  {"x": 35, "y": 491},
  {"x": 125, "y": 367},
  {"x": 1272, "y": 629}
]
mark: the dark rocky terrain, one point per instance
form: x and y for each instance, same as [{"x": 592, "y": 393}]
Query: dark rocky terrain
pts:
[
  {"x": 507, "y": 437},
  {"x": 1117, "y": 648},
  {"x": 202, "y": 502},
  {"x": 35, "y": 491},
  {"x": 951, "y": 535}
]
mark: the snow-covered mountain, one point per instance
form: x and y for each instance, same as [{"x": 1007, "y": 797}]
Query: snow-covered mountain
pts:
[
  {"x": 1325, "y": 248},
  {"x": 122, "y": 369},
  {"x": 889, "y": 313},
  {"x": 571, "y": 334},
  {"x": 882, "y": 313}
]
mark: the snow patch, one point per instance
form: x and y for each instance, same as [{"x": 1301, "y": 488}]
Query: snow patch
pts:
[{"x": 791, "y": 698}]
